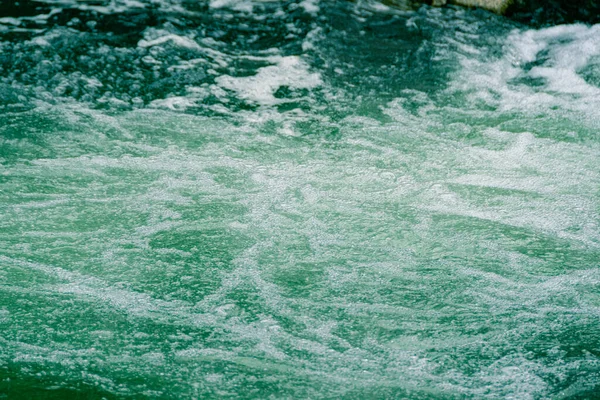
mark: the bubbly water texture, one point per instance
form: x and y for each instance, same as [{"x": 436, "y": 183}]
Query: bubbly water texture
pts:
[{"x": 297, "y": 199}]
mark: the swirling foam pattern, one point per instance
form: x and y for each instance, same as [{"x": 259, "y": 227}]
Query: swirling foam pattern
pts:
[{"x": 297, "y": 199}]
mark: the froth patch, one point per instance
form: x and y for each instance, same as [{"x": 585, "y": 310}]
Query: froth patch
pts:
[
  {"x": 177, "y": 40},
  {"x": 539, "y": 70},
  {"x": 310, "y": 6},
  {"x": 290, "y": 71},
  {"x": 238, "y": 5},
  {"x": 569, "y": 48}
]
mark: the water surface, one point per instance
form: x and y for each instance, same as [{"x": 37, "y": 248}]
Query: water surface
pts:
[{"x": 297, "y": 199}]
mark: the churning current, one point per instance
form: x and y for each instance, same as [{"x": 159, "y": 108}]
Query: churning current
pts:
[{"x": 297, "y": 199}]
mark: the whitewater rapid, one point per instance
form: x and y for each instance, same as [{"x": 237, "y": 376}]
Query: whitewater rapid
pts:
[{"x": 297, "y": 199}]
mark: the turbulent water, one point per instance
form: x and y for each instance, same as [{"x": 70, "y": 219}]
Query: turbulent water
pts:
[{"x": 297, "y": 199}]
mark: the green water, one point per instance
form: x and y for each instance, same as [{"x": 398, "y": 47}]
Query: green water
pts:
[{"x": 244, "y": 199}]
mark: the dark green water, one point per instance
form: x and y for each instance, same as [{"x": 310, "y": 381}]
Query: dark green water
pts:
[{"x": 258, "y": 199}]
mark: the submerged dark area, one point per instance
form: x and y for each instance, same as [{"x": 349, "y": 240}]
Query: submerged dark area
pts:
[{"x": 553, "y": 12}]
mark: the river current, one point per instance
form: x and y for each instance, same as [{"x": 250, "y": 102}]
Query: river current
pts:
[{"x": 297, "y": 199}]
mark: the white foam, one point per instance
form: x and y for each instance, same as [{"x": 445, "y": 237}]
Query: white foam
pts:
[
  {"x": 289, "y": 71},
  {"x": 177, "y": 40},
  {"x": 563, "y": 51},
  {"x": 310, "y": 6},
  {"x": 175, "y": 103},
  {"x": 45, "y": 39},
  {"x": 10, "y": 21},
  {"x": 237, "y": 5}
]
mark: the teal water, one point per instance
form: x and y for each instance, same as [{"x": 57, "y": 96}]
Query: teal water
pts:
[{"x": 256, "y": 199}]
